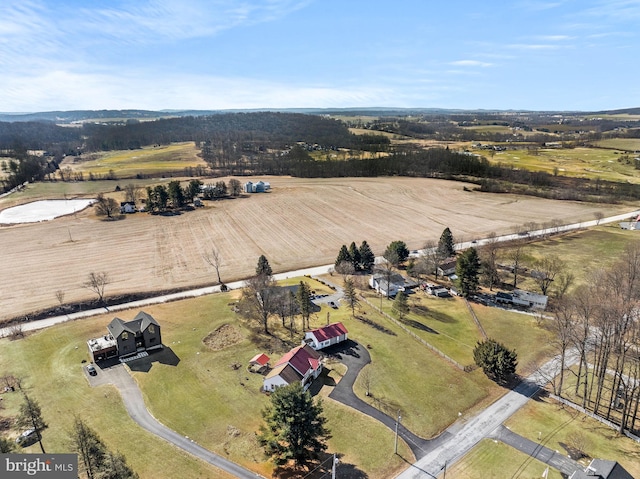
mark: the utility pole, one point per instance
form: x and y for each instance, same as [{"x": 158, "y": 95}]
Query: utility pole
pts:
[{"x": 396, "y": 440}]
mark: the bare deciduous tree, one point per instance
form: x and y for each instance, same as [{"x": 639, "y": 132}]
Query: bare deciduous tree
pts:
[
  {"x": 60, "y": 296},
  {"x": 106, "y": 206},
  {"x": 97, "y": 282},
  {"x": 214, "y": 260}
]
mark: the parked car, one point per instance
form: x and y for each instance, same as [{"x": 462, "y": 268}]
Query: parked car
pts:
[
  {"x": 28, "y": 437},
  {"x": 91, "y": 369}
]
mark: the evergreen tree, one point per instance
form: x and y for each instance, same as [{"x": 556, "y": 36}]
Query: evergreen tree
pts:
[
  {"x": 350, "y": 295},
  {"x": 354, "y": 255},
  {"x": 468, "y": 270},
  {"x": 89, "y": 447},
  {"x": 116, "y": 467},
  {"x": 294, "y": 426},
  {"x": 193, "y": 189},
  {"x": 396, "y": 253},
  {"x": 496, "y": 360},
  {"x": 303, "y": 298},
  {"x": 343, "y": 257},
  {"x": 367, "y": 258},
  {"x": 400, "y": 304},
  {"x": 446, "y": 244},
  {"x": 263, "y": 268},
  {"x": 176, "y": 194},
  {"x": 30, "y": 417},
  {"x": 7, "y": 446}
]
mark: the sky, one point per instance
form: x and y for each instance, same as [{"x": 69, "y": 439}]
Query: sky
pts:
[{"x": 234, "y": 54}]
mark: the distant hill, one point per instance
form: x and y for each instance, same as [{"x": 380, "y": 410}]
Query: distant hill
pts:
[{"x": 625, "y": 111}]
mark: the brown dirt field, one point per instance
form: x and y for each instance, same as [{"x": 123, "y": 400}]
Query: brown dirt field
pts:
[
  {"x": 300, "y": 223},
  {"x": 223, "y": 337}
]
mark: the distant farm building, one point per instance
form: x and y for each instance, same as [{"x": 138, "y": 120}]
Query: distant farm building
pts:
[
  {"x": 127, "y": 338},
  {"x": 127, "y": 207},
  {"x": 259, "y": 187},
  {"x": 631, "y": 225},
  {"x": 525, "y": 299},
  {"x": 326, "y": 336},
  {"x": 389, "y": 285}
]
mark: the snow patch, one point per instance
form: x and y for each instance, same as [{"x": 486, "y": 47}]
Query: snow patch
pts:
[{"x": 43, "y": 210}]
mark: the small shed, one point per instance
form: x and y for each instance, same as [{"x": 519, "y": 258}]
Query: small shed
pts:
[{"x": 258, "y": 362}]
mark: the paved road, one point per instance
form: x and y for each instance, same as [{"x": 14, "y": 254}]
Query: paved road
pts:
[
  {"x": 537, "y": 450},
  {"x": 318, "y": 270},
  {"x": 134, "y": 403},
  {"x": 462, "y": 439}
]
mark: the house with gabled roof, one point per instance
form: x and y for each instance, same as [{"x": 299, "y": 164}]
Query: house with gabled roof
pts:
[
  {"x": 302, "y": 364},
  {"x": 326, "y": 336},
  {"x": 602, "y": 469},
  {"x": 127, "y": 338}
]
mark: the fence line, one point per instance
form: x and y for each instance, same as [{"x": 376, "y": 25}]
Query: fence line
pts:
[
  {"x": 475, "y": 318},
  {"x": 604, "y": 421},
  {"x": 418, "y": 338}
]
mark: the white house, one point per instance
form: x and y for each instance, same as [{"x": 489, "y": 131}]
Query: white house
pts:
[
  {"x": 300, "y": 364},
  {"x": 386, "y": 287},
  {"x": 326, "y": 336},
  {"x": 127, "y": 207}
]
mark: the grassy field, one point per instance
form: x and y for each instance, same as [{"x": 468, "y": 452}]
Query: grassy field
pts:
[
  {"x": 589, "y": 163},
  {"x": 150, "y": 160},
  {"x": 627, "y": 144}
]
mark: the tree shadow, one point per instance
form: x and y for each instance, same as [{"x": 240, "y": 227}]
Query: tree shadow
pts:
[
  {"x": 418, "y": 325},
  {"x": 320, "y": 468},
  {"x": 374, "y": 325}
]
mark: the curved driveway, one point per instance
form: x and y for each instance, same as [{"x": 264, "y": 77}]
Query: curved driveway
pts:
[{"x": 134, "y": 403}]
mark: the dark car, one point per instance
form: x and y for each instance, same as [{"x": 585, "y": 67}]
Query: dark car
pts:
[
  {"x": 27, "y": 438},
  {"x": 91, "y": 369}
]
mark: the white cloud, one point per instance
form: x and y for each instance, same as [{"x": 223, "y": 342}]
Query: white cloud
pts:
[{"x": 471, "y": 63}]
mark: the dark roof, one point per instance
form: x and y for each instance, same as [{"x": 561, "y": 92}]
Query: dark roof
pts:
[
  {"x": 138, "y": 324},
  {"x": 602, "y": 469},
  {"x": 290, "y": 375}
]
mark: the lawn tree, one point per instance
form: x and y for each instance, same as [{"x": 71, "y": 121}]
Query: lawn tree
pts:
[
  {"x": 116, "y": 467},
  {"x": 366, "y": 377},
  {"x": 400, "y": 305},
  {"x": 446, "y": 244},
  {"x": 430, "y": 261},
  {"x": 263, "y": 268},
  {"x": 367, "y": 258},
  {"x": 97, "y": 282},
  {"x": 30, "y": 417},
  {"x": 564, "y": 282},
  {"x": 598, "y": 215},
  {"x": 91, "y": 450},
  {"x": 387, "y": 270},
  {"x": 235, "y": 187},
  {"x": 546, "y": 270},
  {"x": 351, "y": 295},
  {"x": 468, "y": 270},
  {"x": 562, "y": 326},
  {"x": 259, "y": 298},
  {"x": 303, "y": 298},
  {"x": 294, "y": 427},
  {"x": 132, "y": 193},
  {"x": 516, "y": 256},
  {"x": 193, "y": 189},
  {"x": 354, "y": 256},
  {"x": 489, "y": 260},
  {"x": 396, "y": 253},
  {"x": 106, "y": 206},
  {"x": 214, "y": 260},
  {"x": 496, "y": 360}
]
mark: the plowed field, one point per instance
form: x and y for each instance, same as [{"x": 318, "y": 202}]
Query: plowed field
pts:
[{"x": 300, "y": 223}]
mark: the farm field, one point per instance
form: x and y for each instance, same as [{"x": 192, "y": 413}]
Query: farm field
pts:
[
  {"x": 300, "y": 223},
  {"x": 629, "y": 144},
  {"x": 590, "y": 163},
  {"x": 146, "y": 161}
]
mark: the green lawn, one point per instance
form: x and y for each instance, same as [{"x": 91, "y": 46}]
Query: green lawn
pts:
[
  {"x": 148, "y": 160},
  {"x": 577, "y": 162}
]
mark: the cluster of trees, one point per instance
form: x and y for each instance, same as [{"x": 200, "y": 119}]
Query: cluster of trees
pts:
[
  {"x": 496, "y": 360},
  {"x": 263, "y": 298},
  {"x": 172, "y": 196},
  {"x": 599, "y": 322},
  {"x": 352, "y": 260}
]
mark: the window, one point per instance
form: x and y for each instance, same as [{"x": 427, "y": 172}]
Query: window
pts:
[
  {"x": 125, "y": 335},
  {"x": 152, "y": 328}
]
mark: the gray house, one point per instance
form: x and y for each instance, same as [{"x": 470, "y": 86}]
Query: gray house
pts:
[
  {"x": 602, "y": 469},
  {"x": 127, "y": 338}
]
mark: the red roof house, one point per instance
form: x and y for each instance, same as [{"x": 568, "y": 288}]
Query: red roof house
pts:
[
  {"x": 326, "y": 336},
  {"x": 300, "y": 364}
]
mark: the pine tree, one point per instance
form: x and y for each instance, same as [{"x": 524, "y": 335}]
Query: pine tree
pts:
[
  {"x": 350, "y": 295},
  {"x": 30, "y": 417},
  {"x": 354, "y": 255},
  {"x": 343, "y": 257},
  {"x": 446, "y": 245},
  {"x": 496, "y": 360},
  {"x": 294, "y": 426},
  {"x": 396, "y": 253},
  {"x": 263, "y": 268},
  {"x": 400, "y": 304},
  {"x": 367, "y": 258},
  {"x": 303, "y": 298},
  {"x": 468, "y": 270}
]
